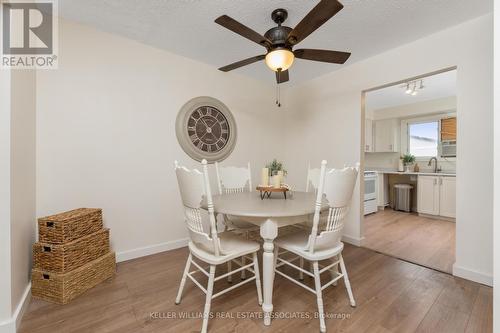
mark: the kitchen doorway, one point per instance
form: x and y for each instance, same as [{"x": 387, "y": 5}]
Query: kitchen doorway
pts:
[{"x": 409, "y": 144}]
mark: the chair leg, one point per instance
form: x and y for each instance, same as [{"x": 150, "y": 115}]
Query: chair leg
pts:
[
  {"x": 346, "y": 281},
  {"x": 334, "y": 271},
  {"x": 243, "y": 272},
  {"x": 301, "y": 263},
  {"x": 183, "y": 280},
  {"x": 319, "y": 297},
  {"x": 257, "y": 277},
  {"x": 208, "y": 299},
  {"x": 229, "y": 277}
]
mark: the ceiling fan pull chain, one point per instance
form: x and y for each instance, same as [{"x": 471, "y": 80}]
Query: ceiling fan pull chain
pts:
[
  {"x": 278, "y": 97},
  {"x": 277, "y": 94}
]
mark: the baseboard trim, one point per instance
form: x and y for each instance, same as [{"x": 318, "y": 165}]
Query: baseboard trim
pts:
[
  {"x": 11, "y": 325},
  {"x": 151, "y": 249},
  {"x": 8, "y": 326},
  {"x": 437, "y": 217},
  {"x": 23, "y": 305},
  {"x": 473, "y": 275},
  {"x": 356, "y": 241}
]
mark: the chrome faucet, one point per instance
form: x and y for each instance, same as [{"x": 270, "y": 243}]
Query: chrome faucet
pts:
[{"x": 436, "y": 169}]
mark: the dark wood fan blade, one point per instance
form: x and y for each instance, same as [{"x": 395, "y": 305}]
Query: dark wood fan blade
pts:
[
  {"x": 242, "y": 30},
  {"x": 323, "y": 11},
  {"x": 335, "y": 57},
  {"x": 282, "y": 76},
  {"x": 242, "y": 63}
]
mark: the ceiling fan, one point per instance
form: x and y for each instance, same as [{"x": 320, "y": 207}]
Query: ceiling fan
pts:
[{"x": 279, "y": 41}]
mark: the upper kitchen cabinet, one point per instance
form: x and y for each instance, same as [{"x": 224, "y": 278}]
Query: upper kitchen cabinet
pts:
[
  {"x": 387, "y": 134},
  {"x": 368, "y": 135}
]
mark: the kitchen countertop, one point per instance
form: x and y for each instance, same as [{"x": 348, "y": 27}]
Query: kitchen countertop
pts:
[{"x": 423, "y": 173}]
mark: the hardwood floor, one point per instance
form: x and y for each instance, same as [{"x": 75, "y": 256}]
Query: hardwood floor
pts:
[
  {"x": 391, "y": 295},
  {"x": 421, "y": 240}
]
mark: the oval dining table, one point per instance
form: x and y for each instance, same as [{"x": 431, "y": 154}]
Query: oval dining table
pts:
[{"x": 270, "y": 214}]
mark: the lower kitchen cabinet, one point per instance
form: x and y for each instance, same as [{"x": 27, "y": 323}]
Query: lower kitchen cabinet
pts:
[
  {"x": 436, "y": 195},
  {"x": 447, "y": 196}
]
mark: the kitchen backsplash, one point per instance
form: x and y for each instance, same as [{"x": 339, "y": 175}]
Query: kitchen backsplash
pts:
[{"x": 390, "y": 161}]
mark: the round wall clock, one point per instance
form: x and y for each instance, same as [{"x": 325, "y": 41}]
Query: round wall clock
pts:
[{"x": 206, "y": 129}]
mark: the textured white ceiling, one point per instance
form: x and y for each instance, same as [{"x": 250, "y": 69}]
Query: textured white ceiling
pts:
[
  {"x": 186, "y": 27},
  {"x": 437, "y": 86}
]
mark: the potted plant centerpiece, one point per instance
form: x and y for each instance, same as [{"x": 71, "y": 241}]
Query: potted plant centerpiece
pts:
[
  {"x": 277, "y": 172},
  {"x": 408, "y": 160}
]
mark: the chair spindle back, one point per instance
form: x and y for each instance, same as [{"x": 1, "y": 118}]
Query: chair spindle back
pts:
[
  {"x": 233, "y": 179},
  {"x": 336, "y": 186},
  {"x": 194, "y": 186}
]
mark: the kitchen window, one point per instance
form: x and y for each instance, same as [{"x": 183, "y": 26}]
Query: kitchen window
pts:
[{"x": 423, "y": 138}]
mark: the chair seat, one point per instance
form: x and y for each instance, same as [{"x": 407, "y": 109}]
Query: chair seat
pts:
[
  {"x": 297, "y": 243},
  {"x": 232, "y": 245}
]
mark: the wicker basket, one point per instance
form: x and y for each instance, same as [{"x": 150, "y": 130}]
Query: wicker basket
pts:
[
  {"x": 67, "y": 226},
  {"x": 62, "y": 258},
  {"x": 62, "y": 288}
]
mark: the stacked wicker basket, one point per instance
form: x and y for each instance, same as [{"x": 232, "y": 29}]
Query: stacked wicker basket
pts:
[{"x": 72, "y": 255}]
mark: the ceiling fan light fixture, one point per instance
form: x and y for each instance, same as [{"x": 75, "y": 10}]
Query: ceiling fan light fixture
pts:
[{"x": 280, "y": 59}]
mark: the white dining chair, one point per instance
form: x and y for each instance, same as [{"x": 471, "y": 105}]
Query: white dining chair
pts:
[
  {"x": 312, "y": 180},
  {"x": 206, "y": 245},
  {"x": 324, "y": 240},
  {"x": 230, "y": 180}
]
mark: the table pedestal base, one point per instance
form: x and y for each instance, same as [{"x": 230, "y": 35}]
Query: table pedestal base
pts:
[{"x": 268, "y": 231}]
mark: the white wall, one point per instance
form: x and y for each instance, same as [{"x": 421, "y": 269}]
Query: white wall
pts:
[
  {"x": 326, "y": 123},
  {"x": 317, "y": 129},
  {"x": 5, "y": 277},
  {"x": 23, "y": 170},
  {"x": 17, "y": 192},
  {"x": 106, "y": 133},
  {"x": 496, "y": 287}
]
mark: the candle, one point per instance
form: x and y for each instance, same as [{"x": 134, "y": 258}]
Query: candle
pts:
[
  {"x": 265, "y": 177},
  {"x": 277, "y": 181},
  {"x": 282, "y": 176}
]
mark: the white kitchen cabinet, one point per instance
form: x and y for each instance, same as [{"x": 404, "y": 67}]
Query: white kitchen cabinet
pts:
[
  {"x": 428, "y": 195},
  {"x": 436, "y": 195},
  {"x": 447, "y": 195},
  {"x": 386, "y": 135},
  {"x": 368, "y": 135}
]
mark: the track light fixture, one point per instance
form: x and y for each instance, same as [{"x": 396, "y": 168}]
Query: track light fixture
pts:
[{"x": 413, "y": 87}]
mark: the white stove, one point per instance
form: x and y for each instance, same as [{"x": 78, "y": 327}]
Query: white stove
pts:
[{"x": 370, "y": 192}]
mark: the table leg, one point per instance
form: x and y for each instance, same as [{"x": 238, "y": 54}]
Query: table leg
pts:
[{"x": 268, "y": 231}]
